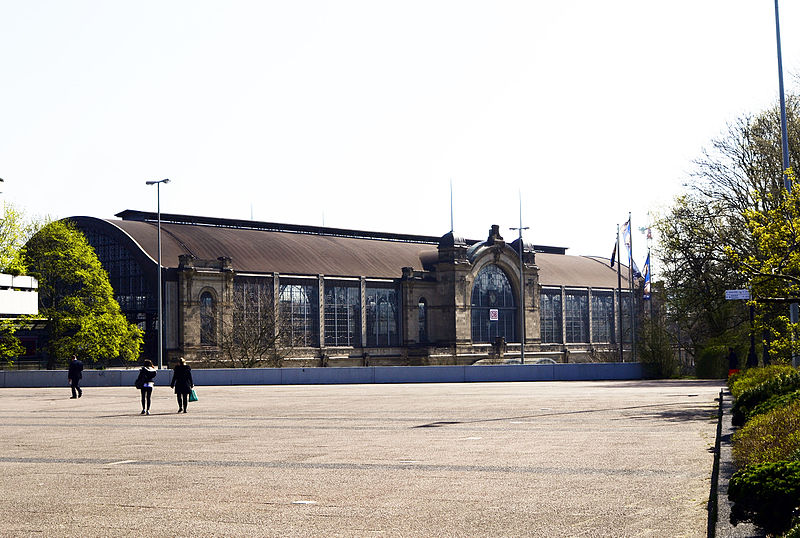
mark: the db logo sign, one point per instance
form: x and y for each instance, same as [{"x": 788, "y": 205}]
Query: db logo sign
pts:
[{"x": 493, "y": 314}]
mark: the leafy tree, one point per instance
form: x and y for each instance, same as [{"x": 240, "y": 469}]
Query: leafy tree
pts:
[
  {"x": 655, "y": 350},
  {"x": 741, "y": 172},
  {"x": 76, "y": 298},
  {"x": 15, "y": 230},
  {"x": 773, "y": 267},
  {"x": 696, "y": 272},
  {"x": 10, "y": 346}
]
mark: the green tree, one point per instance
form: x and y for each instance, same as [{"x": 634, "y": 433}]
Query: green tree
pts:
[
  {"x": 773, "y": 267},
  {"x": 10, "y": 346},
  {"x": 15, "y": 230},
  {"x": 741, "y": 172},
  {"x": 76, "y": 298}
]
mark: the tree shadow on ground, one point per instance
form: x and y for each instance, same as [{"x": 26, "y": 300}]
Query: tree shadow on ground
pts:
[{"x": 690, "y": 414}]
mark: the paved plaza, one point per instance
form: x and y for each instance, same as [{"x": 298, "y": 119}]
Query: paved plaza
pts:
[{"x": 605, "y": 458}]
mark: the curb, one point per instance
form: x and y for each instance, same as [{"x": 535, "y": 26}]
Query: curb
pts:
[{"x": 720, "y": 526}]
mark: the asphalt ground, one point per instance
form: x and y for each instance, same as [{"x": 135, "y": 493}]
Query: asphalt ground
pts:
[{"x": 609, "y": 458}]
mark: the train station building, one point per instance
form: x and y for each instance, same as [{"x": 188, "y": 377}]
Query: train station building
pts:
[{"x": 339, "y": 297}]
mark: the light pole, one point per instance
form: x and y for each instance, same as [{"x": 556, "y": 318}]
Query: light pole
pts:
[
  {"x": 160, "y": 310},
  {"x": 793, "y": 307},
  {"x": 521, "y": 286}
]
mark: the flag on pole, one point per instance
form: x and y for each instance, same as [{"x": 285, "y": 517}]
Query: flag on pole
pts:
[
  {"x": 646, "y": 294},
  {"x": 626, "y": 236},
  {"x": 613, "y": 255}
]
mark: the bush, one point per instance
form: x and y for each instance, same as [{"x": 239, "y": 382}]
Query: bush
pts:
[
  {"x": 780, "y": 400},
  {"x": 656, "y": 353},
  {"x": 751, "y": 397},
  {"x": 766, "y": 494},
  {"x": 752, "y": 377},
  {"x": 712, "y": 363},
  {"x": 770, "y": 437},
  {"x": 794, "y": 533}
]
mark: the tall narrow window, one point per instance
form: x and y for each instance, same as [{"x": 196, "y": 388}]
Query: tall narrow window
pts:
[
  {"x": 208, "y": 334},
  {"x": 550, "y": 315},
  {"x": 342, "y": 316},
  {"x": 494, "y": 312},
  {"x": 381, "y": 317},
  {"x": 299, "y": 314},
  {"x": 603, "y": 316},
  {"x": 423, "y": 321},
  {"x": 576, "y": 316}
]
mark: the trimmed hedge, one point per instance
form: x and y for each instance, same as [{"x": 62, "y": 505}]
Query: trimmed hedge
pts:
[
  {"x": 782, "y": 383},
  {"x": 766, "y": 494},
  {"x": 773, "y": 436},
  {"x": 779, "y": 400},
  {"x": 752, "y": 377}
]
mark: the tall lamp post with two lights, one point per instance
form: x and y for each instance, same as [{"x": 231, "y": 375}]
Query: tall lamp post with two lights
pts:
[
  {"x": 521, "y": 285},
  {"x": 158, "y": 183}
]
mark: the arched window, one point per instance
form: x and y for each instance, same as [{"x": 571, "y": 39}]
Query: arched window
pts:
[
  {"x": 494, "y": 312},
  {"x": 423, "y": 321},
  {"x": 208, "y": 335}
]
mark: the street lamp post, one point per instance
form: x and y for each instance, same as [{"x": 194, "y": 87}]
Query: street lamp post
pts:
[
  {"x": 160, "y": 309},
  {"x": 521, "y": 286},
  {"x": 793, "y": 307}
]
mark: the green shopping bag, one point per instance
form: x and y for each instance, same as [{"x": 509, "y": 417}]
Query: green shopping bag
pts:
[{"x": 193, "y": 396}]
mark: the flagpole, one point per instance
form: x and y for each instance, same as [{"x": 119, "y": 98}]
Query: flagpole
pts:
[
  {"x": 619, "y": 300},
  {"x": 630, "y": 286}
]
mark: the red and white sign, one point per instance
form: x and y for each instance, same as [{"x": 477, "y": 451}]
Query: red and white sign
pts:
[{"x": 493, "y": 314}]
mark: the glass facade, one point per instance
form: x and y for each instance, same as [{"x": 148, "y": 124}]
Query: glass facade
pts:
[
  {"x": 603, "y": 316},
  {"x": 299, "y": 311},
  {"x": 342, "y": 315},
  {"x": 381, "y": 309},
  {"x": 576, "y": 316},
  {"x": 253, "y": 302},
  {"x": 494, "y": 312},
  {"x": 550, "y": 316},
  {"x": 137, "y": 301}
]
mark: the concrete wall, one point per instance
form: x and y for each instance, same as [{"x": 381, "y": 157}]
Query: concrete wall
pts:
[{"x": 325, "y": 376}]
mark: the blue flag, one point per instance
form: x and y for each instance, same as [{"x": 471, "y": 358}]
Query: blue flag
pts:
[{"x": 646, "y": 294}]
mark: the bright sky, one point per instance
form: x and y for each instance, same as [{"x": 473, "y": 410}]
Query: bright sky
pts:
[{"x": 359, "y": 114}]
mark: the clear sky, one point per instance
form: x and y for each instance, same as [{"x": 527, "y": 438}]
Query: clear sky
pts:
[{"x": 358, "y": 114}]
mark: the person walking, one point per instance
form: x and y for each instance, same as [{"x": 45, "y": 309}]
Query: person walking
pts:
[
  {"x": 147, "y": 374},
  {"x": 182, "y": 383},
  {"x": 74, "y": 377}
]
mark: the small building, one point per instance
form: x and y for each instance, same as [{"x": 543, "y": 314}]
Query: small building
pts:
[
  {"x": 348, "y": 297},
  {"x": 19, "y": 296}
]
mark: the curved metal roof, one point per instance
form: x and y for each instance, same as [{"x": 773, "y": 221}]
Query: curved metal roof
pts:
[
  {"x": 261, "y": 251},
  {"x": 578, "y": 271},
  {"x": 257, "y": 248}
]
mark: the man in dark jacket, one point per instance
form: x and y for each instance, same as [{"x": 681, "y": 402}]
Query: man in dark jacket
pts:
[{"x": 74, "y": 376}]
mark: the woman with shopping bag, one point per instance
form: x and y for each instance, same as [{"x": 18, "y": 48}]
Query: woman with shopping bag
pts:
[{"x": 182, "y": 383}]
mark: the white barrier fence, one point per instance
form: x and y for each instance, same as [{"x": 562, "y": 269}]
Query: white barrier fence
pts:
[{"x": 327, "y": 376}]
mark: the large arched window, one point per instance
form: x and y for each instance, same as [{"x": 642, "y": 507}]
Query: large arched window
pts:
[
  {"x": 208, "y": 336},
  {"x": 494, "y": 312}
]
